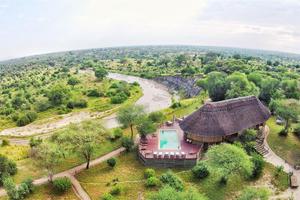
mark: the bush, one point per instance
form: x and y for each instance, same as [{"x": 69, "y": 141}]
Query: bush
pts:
[
  {"x": 200, "y": 170},
  {"x": 117, "y": 133},
  {"x": 176, "y": 105},
  {"x": 94, "y": 93},
  {"x": 34, "y": 142},
  {"x": 61, "y": 185},
  {"x": 107, "y": 196},
  {"x": 20, "y": 192},
  {"x": 156, "y": 117},
  {"x": 149, "y": 173},
  {"x": 152, "y": 182},
  {"x": 283, "y": 132},
  {"x": 172, "y": 180},
  {"x": 127, "y": 143},
  {"x": 81, "y": 103},
  {"x": 7, "y": 167},
  {"x": 258, "y": 165},
  {"x": 27, "y": 118},
  {"x": 296, "y": 130},
  {"x": 111, "y": 162},
  {"x": 119, "y": 98},
  {"x": 116, "y": 190},
  {"x": 223, "y": 180},
  {"x": 5, "y": 142}
]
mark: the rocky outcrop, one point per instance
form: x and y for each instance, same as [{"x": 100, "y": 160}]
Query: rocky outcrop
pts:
[{"x": 187, "y": 85}]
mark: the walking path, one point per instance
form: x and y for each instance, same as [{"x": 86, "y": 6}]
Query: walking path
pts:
[
  {"x": 80, "y": 192},
  {"x": 275, "y": 160}
]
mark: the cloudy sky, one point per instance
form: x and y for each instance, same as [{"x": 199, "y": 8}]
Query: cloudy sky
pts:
[{"x": 39, "y": 26}]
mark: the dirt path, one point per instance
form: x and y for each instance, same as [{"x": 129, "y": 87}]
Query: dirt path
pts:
[
  {"x": 275, "y": 160},
  {"x": 80, "y": 192},
  {"x": 155, "y": 97}
]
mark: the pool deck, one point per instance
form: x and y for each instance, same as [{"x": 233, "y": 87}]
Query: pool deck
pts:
[{"x": 149, "y": 151}]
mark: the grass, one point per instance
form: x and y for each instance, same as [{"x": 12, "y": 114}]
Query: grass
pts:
[
  {"x": 44, "y": 192},
  {"x": 287, "y": 147},
  {"x": 128, "y": 173},
  {"x": 15, "y": 152}
]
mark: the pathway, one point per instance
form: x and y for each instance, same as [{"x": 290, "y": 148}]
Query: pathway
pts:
[
  {"x": 79, "y": 191},
  {"x": 275, "y": 160}
]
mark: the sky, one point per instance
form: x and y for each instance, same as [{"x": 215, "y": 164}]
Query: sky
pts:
[{"x": 30, "y": 27}]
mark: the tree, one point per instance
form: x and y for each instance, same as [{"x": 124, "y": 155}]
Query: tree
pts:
[
  {"x": 100, "y": 73},
  {"x": 73, "y": 81},
  {"x": 48, "y": 156},
  {"x": 238, "y": 85},
  {"x": 268, "y": 89},
  {"x": 157, "y": 117},
  {"x": 130, "y": 115},
  {"x": 58, "y": 94},
  {"x": 145, "y": 126},
  {"x": 200, "y": 170},
  {"x": 228, "y": 159},
  {"x": 258, "y": 165},
  {"x": 291, "y": 88},
  {"x": 7, "y": 168},
  {"x": 82, "y": 139},
  {"x": 288, "y": 109},
  {"x": 215, "y": 85}
]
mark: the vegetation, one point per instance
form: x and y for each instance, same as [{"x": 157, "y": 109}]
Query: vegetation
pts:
[
  {"x": 61, "y": 185},
  {"x": 252, "y": 193},
  {"x": 111, "y": 162},
  {"x": 18, "y": 192}
]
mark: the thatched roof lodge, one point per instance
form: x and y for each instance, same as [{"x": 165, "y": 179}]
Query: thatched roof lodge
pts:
[{"x": 215, "y": 121}]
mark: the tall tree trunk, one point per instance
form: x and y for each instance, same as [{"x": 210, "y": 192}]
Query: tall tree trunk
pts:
[
  {"x": 88, "y": 164},
  {"x": 286, "y": 125},
  {"x": 131, "y": 128}
]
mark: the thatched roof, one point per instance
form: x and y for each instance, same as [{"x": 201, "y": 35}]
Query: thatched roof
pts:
[{"x": 226, "y": 117}]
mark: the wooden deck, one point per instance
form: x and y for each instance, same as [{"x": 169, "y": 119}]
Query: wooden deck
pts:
[{"x": 185, "y": 156}]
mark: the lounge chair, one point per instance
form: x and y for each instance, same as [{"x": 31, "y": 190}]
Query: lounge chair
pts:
[
  {"x": 172, "y": 154},
  {"x": 155, "y": 154},
  {"x": 160, "y": 154},
  {"x": 177, "y": 155},
  {"x": 166, "y": 155},
  {"x": 183, "y": 155}
]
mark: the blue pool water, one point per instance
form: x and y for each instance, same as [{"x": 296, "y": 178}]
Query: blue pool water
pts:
[{"x": 168, "y": 139}]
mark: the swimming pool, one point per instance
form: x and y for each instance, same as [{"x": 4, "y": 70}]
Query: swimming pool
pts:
[{"x": 168, "y": 139}]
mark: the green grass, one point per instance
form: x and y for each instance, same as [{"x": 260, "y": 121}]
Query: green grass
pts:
[
  {"x": 15, "y": 152},
  {"x": 287, "y": 147},
  {"x": 129, "y": 172},
  {"x": 44, "y": 192}
]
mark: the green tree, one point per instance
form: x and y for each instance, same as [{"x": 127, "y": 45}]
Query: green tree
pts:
[
  {"x": 100, "y": 73},
  {"x": 291, "y": 88},
  {"x": 215, "y": 85},
  {"x": 7, "y": 168},
  {"x": 238, "y": 86},
  {"x": 130, "y": 115},
  {"x": 73, "y": 81},
  {"x": 288, "y": 109},
  {"x": 48, "y": 156},
  {"x": 268, "y": 89},
  {"x": 58, "y": 94},
  {"x": 145, "y": 126},
  {"x": 228, "y": 159}
]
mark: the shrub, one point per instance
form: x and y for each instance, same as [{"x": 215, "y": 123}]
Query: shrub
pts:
[
  {"x": 283, "y": 132},
  {"x": 34, "y": 142},
  {"x": 152, "y": 182},
  {"x": 127, "y": 143},
  {"x": 81, "y": 103},
  {"x": 111, "y": 162},
  {"x": 26, "y": 118},
  {"x": 278, "y": 171},
  {"x": 7, "y": 167},
  {"x": 200, "y": 170},
  {"x": 296, "y": 130},
  {"x": 94, "y": 93},
  {"x": 156, "y": 117},
  {"x": 31, "y": 116},
  {"x": 258, "y": 165},
  {"x": 107, "y": 196},
  {"x": 119, "y": 98},
  {"x": 116, "y": 190},
  {"x": 176, "y": 105},
  {"x": 118, "y": 133},
  {"x": 20, "y": 192},
  {"x": 61, "y": 185},
  {"x": 223, "y": 180},
  {"x": 149, "y": 173},
  {"x": 5, "y": 142},
  {"x": 172, "y": 180}
]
